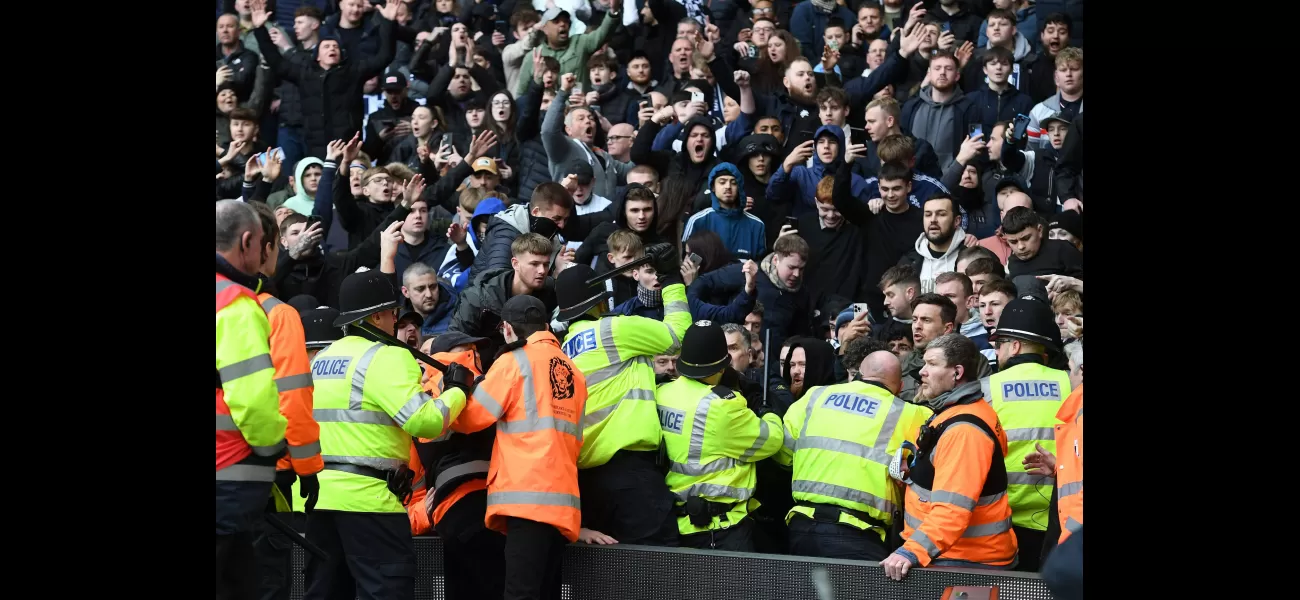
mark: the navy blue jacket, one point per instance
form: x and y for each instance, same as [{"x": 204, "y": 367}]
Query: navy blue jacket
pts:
[{"x": 992, "y": 107}]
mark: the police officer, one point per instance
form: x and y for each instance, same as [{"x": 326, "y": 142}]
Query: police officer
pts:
[
  {"x": 369, "y": 404},
  {"x": 249, "y": 427},
  {"x": 624, "y": 490},
  {"x": 1027, "y": 394},
  {"x": 713, "y": 440},
  {"x": 840, "y": 439},
  {"x": 319, "y": 330}
]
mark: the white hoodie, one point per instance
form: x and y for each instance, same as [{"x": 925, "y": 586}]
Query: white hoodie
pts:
[{"x": 933, "y": 267}]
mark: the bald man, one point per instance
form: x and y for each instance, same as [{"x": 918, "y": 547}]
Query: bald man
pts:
[
  {"x": 619, "y": 142},
  {"x": 1009, "y": 197},
  {"x": 839, "y": 441}
]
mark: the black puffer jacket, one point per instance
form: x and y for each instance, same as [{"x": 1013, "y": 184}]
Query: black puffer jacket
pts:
[
  {"x": 502, "y": 229},
  {"x": 332, "y": 108},
  {"x": 478, "y": 310},
  {"x": 682, "y": 179}
]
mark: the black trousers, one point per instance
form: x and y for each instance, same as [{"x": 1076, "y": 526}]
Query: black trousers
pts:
[
  {"x": 533, "y": 554},
  {"x": 237, "y": 574},
  {"x": 737, "y": 538},
  {"x": 474, "y": 555},
  {"x": 627, "y": 499},
  {"x": 809, "y": 537},
  {"x": 371, "y": 556},
  {"x": 275, "y": 557},
  {"x": 1030, "y": 542}
]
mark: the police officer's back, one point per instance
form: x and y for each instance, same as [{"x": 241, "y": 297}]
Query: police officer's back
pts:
[{"x": 712, "y": 440}]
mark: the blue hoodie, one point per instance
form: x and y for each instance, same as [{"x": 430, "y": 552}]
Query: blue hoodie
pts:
[
  {"x": 804, "y": 180},
  {"x": 741, "y": 232},
  {"x": 450, "y": 270},
  {"x": 440, "y": 319}
]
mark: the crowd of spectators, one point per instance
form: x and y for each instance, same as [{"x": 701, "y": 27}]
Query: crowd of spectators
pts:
[{"x": 841, "y": 176}]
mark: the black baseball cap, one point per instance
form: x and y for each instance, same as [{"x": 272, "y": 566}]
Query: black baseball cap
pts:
[
  {"x": 524, "y": 310},
  {"x": 581, "y": 169},
  {"x": 393, "y": 81}
]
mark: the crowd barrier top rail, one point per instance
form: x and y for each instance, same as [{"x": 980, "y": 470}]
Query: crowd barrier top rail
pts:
[{"x": 626, "y": 572}]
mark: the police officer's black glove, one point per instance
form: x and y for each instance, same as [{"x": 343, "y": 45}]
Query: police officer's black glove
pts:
[
  {"x": 309, "y": 488},
  {"x": 459, "y": 376},
  {"x": 664, "y": 258}
]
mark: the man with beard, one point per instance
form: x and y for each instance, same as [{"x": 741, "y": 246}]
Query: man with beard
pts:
[
  {"x": 937, "y": 247},
  {"x": 932, "y": 316},
  {"x": 571, "y": 53},
  {"x": 882, "y": 116},
  {"x": 433, "y": 300},
  {"x": 638, "y": 74},
  {"x": 940, "y": 113},
  {"x": 890, "y": 232},
  {"x": 743, "y": 233},
  {"x": 684, "y": 174},
  {"x": 575, "y": 141},
  {"x": 331, "y": 86}
]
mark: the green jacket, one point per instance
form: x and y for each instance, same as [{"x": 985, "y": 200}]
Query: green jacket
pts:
[
  {"x": 573, "y": 58},
  {"x": 616, "y": 354}
]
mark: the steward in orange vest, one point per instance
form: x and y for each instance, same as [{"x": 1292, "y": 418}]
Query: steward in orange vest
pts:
[
  {"x": 956, "y": 512},
  {"x": 536, "y": 398}
]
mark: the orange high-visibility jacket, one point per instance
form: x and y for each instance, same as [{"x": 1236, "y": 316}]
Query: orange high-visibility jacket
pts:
[
  {"x": 422, "y": 508},
  {"x": 960, "y": 518},
  {"x": 537, "y": 397},
  {"x": 293, "y": 382},
  {"x": 1069, "y": 463}
]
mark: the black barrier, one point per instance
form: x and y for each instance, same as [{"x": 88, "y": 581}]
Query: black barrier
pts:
[{"x": 622, "y": 572}]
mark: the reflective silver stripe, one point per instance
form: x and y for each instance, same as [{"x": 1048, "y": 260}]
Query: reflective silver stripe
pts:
[
  {"x": 1072, "y": 525},
  {"x": 844, "y": 447},
  {"x": 911, "y": 521},
  {"x": 275, "y": 449},
  {"x": 383, "y": 464},
  {"x": 248, "y": 366},
  {"x": 469, "y": 468},
  {"x": 610, "y": 371},
  {"x": 986, "y": 385},
  {"x": 530, "y": 394},
  {"x": 954, "y": 499},
  {"x": 676, "y": 306},
  {"x": 896, "y": 406},
  {"x": 342, "y": 415},
  {"x": 293, "y": 382},
  {"x": 417, "y": 402},
  {"x": 722, "y": 464},
  {"x": 539, "y": 424},
  {"x": 789, "y": 440},
  {"x": 967, "y": 424},
  {"x": 541, "y": 498},
  {"x": 223, "y": 284},
  {"x": 304, "y": 451},
  {"x": 419, "y": 483},
  {"x": 695, "y": 452},
  {"x": 607, "y": 339},
  {"x": 486, "y": 400},
  {"x": 919, "y": 537},
  {"x": 842, "y": 493},
  {"x": 816, "y": 395},
  {"x": 990, "y": 499},
  {"x": 994, "y": 528},
  {"x": 1031, "y": 434},
  {"x": 270, "y": 303},
  {"x": 1014, "y": 478},
  {"x": 1070, "y": 489},
  {"x": 676, "y": 346},
  {"x": 758, "y": 443},
  {"x": 357, "y": 395},
  {"x": 715, "y": 490},
  {"x": 596, "y": 416},
  {"x": 226, "y": 423},
  {"x": 247, "y": 473},
  {"x": 922, "y": 494}
]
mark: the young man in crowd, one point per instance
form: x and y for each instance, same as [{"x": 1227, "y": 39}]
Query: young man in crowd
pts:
[
  {"x": 1032, "y": 253},
  {"x": 1068, "y": 101}
]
